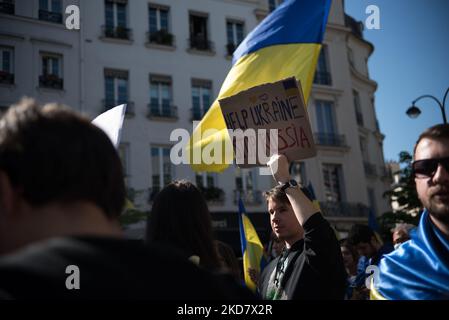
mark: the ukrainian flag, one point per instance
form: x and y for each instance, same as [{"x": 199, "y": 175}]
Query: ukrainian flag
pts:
[
  {"x": 285, "y": 44},
  {"x": 252, "y": 249},
  {"x": 418, "y": 269}
]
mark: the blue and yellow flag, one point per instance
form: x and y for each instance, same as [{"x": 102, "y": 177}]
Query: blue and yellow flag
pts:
[
  {"x": 418, "y": 269},
  {"x": 252, "y": 249},
  {"x": 285, "y": 44}
]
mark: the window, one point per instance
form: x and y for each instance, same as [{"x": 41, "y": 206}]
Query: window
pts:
[
  {"x": 201, "y": 98},
  {"x": 327, "y": 129},
  {"x": 161, "y": 97},
  {"x": 51, "y": 72},
  {"x": 363, "y": 145},
  {"x": 50, "y": 10},
  {"x": 245, "y": 186},
  {"x": 6, "y": 65},
  {"x": 358, "y": 108},
  {"x": 123, "y": 152},
  {"x": 351, "y": 57},
  {"x": 198, "y": 32},
  {"x": 234, "y": 32},
  {"x": 298, "y": 172},
  {"x": 162, "y": 168},
  {"x": 115, "y": 17},
  {"x": 116, "y": 88},
  {"x": 7, "y": 6},
  {"x": 332, "y": 175},
  {"x": 159, "y": 29},
  {"x": 273, "y": 4},
  {"x": 322, "y": 74}
]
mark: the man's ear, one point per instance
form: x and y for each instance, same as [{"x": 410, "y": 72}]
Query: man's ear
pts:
[{"x": 8, "y": 196}]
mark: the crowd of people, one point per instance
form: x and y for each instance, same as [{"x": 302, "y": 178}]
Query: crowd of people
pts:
[{"x": 62, "y": 192}]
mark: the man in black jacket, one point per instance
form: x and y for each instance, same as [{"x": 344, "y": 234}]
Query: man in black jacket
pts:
[
  {"x": 61, "y": 193},
  {"x": 311, "y": 265}
]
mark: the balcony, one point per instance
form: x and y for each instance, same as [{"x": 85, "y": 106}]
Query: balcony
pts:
[
  {"x": 201, "y": 44},
  {"x": 6, "y": 77},
  {"x": 323, "y": 78},
  {"x": 249, "y": 197},
  {"x": 197, "y": 115},
  {"x": 50, "y": 16},
  {"x": 370, "y": 169},
  {"x": 51, "y": 81},
  {"x": 330, "y": 139},
  {"x": 109, "y": 104},
  {"x": 161, "y": 37},
  {"x": 162, "y": 111},
  {"x": 6, "y": 7},
  {"x": 344, "y": 209},
  {"x": 213, "y": 194},
  {"x": 118, "y": 32}
]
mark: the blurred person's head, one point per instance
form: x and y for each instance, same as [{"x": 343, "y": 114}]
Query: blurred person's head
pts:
[
  {"x": 59, "y": 175},
  {"x": 349, "y": 254},
  {"x": 180, "y": 218},
  {"x": 431, "y": 172},
  {"x": 364, "y": 240},
  {"x": 400, "y": 233},
  {"x": 283, "y": 220}
]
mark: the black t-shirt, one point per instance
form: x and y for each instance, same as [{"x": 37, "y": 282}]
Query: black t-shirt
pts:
[
  {"x": 110, "y": 268},
  {"x": 311, "y": 269}
]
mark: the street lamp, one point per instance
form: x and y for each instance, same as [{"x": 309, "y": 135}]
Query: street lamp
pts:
[{"x": 414, "y": 111}]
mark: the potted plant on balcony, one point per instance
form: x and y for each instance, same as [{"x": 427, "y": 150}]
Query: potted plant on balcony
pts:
[
  {"x": 121, "y": 32},
  {"x": 162, "y": 36}
]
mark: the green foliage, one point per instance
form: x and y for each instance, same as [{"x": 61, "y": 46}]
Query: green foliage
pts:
[
  {"x": 131, "y": 216},
  {"x": 404, "y": 193}
]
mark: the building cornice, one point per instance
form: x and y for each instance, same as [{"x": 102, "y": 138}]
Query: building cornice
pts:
[
  {"x": 320, "y": 89},
  {"x": 35, "y": 21},
  {"x": 363, "y": 42},
  {"x": 12, "y": 36},
  {"x": 338, "y": 27},
  {"x": 361, "y": 77},
  {"x": 51, "y": 41}
]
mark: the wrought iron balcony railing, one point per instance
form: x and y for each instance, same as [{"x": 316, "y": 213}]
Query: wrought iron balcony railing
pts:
[
  {"x": 162, "y": 111},
  {"x": 117, "y": 32},
  {"x": 51, "y": 81},
  {"x": 330, "y": 139}
]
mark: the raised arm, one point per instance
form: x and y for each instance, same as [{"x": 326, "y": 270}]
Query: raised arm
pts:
[{"x": 301, "y": 205}]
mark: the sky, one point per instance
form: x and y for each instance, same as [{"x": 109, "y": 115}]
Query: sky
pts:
[{"x": 411, "y": 58}]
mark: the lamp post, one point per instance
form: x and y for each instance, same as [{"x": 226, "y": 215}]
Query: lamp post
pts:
[{"x": 414, "y": 111}]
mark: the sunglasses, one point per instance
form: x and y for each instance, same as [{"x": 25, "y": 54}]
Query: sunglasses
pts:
[{"x": 426, "y": 168}]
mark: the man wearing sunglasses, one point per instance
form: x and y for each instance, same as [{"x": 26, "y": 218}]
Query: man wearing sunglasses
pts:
[{"x": 419, "y": 268}]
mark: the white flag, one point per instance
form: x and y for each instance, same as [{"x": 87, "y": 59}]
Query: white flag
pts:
[{"x": 111, "y": 123}]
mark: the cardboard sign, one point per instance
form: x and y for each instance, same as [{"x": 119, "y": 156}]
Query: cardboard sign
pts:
[{"x": 279, "y": 105}]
